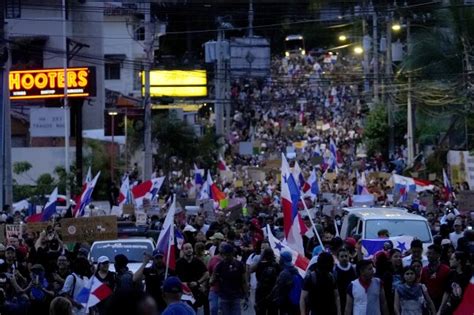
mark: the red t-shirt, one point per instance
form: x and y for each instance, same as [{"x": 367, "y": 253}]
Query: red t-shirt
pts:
[
  {"x": 211, "y": 266},
  {"x": 435, "y": 281}
]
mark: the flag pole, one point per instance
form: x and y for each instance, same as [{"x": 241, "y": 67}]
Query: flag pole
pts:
[
  {"x": 168, "y": 254},
  {"x": 312, "y": 223}
]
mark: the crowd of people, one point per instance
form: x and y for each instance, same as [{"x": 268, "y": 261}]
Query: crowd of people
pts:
[{"x": 228, "y": 266}]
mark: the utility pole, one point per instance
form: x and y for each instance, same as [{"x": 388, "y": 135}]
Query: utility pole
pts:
[
  {"x": 250, "y": 18},
  {"x": 6, "y": 191},
  {"x": 410, "y": 112},
  {"x": 66, "y": 104},
  {"x": 219, "y": 79},
  {"x": 375, "y": 56},
  {"x": 388, "y": 82},
  {"x": 149, "y": 41},
  {"x": 366, "y": 46}
]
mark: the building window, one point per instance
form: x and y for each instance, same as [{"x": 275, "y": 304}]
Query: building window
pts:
[
  {"x": 139, "y": 33},
  {"x": 112, "y": 71},
  {"x": 137, "y": 78}
]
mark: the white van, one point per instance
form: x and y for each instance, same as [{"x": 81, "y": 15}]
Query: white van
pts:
[{"x": 366, "y": 222}]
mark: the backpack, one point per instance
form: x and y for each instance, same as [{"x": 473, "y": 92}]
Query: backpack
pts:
[{"x": 296, "y": 287}]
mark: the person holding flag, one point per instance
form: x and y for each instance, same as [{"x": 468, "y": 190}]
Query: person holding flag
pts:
[{"x": 293, "y": 225}]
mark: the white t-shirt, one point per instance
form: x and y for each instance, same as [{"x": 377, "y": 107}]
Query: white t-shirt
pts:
[
  {"x": 454, "y": 238},
  {"x": 252, "y": 260},
  {"x": 79, "y": 283}
]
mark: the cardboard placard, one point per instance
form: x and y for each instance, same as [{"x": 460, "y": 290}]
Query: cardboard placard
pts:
[
  {"x": 226, "y": 176},
  {"x": 379, "y": 175},
  {"x": 89, "y": 229},
  {"x": 256, "y": 174},
  {"x": 13, "y": 229},
  {"x": 273, "y": 164},
  {"x": 141, "y": 218},
  {"x": 330, "y": 176},
  {"x": 316, "y": 160},
  {"x": 239, "y": 183},
  {"x": 128, "y": 209},
  {"x": 246, "y": 148},
  {"x": 466, "y": 200},
  {"x": 37, "y": 227}
]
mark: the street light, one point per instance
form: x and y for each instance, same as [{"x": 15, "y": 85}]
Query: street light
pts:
[
  {"x": 396, "y": 27},
  {"x": 112, "y": 113},
  {"x": 358, "y": 50},
  {"x": 342, "y": 38}
]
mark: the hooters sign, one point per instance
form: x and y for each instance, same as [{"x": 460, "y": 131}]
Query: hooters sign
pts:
[{"x": 49, "y": 83}]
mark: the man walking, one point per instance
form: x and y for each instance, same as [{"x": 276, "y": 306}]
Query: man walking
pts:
[{"x": 231, "y": 278}]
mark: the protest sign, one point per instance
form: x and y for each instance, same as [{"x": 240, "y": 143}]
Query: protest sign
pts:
[
  {"x": 128, "y": 209},
  {"x": 13, "y": 229},
  {"x": 37, "y": 227},
  {"x": 227, "y": 176},
  {"x": 330, "y": 176},
  {"x": 246, "y": 148},
  {"x": 89, "y": 229},
  {"x": 256, "y": 174},
  {"x": 273, "y": 164},
  {"x": 238, "y": 183},
  {"x": 466, "y": 200},
  {"x": 140, "y": 218}
]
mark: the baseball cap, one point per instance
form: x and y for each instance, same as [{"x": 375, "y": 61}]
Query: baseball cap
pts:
[
  {"x": 445, "y": 242},
  {"x": 10, "y": 247},
  {"x": 103, "y": 259},
  {"x": 217, "y": 236},
  {"x": 227, "y": 249},
  {"x": 172, "y": 285},
  {"x": 286, "y": 258}
]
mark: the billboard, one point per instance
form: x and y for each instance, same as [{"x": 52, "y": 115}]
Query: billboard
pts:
[
  {"x": 49, "y": 83},
  {"x": 177, "y": 83}
]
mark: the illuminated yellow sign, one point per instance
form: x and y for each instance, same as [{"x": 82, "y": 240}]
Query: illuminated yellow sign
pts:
[
  {"x": 177, "y": 83},
  {"x": 49, "y": 83}
]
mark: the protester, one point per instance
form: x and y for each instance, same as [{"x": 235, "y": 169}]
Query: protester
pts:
[
  {"x": 411, "y": 296},
  {"x": 124, "y": 277},
  {"x": 60, "y": 306},
  {"x": 266, "y": 273},
  {"x": 172, "y": 291},
  {"x": 154, "y": 276},
  {"x": 230, "y": 276},
  {"x": 344, "y": 274},
  {"x": 435, "y": 275},
  {"x": 320, "y": 293},
  {"x": 366, "y": 295},
  {"x": 192, "y": 271},
  {"x": 457, "y": 282},
  {"x": 75, "y": 282},
  {"x": 287, "y": 290}
]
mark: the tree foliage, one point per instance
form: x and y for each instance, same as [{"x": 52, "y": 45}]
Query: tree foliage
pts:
[{"x": 376, "y": 131}]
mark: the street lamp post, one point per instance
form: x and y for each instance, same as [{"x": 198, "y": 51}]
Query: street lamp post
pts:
[{"x": 112, "y": 113}]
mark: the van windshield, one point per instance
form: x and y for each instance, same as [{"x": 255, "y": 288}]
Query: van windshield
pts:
[
  {"x": 133, "y": 250},
  {"x": 417, "y": 229}
]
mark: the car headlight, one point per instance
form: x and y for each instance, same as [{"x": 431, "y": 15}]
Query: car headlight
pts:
[
  {"x": 303, "y": 52},
  {"x": 287, "y": 53}
]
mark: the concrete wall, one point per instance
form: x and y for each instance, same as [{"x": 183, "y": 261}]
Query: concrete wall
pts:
[
  {"x": 119, "y": 40},
  {"x": 43, "y": 160}
]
